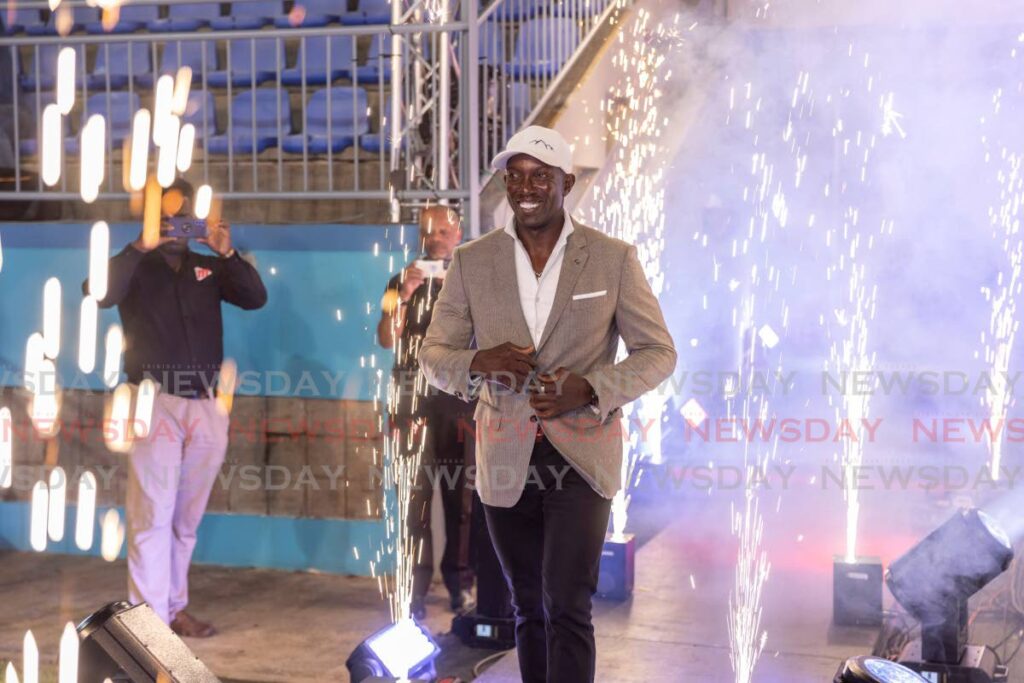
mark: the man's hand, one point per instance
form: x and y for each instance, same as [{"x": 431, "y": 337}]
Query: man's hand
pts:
[
  {"x": 412, "y": 278},
  {"x": 218, "y": 237},
  {"x": 559, "y": 392},
  {"x": 506, "y": 364}
]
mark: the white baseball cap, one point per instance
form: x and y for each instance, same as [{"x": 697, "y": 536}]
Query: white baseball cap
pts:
[{"x": 543, "y": 144}]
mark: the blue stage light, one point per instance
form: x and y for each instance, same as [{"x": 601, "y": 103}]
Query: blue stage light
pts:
[
  {"x": 402, "y": 650},
  {"x": 875, "y": 670}
]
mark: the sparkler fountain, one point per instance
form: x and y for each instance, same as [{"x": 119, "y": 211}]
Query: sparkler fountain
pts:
[
  {"x": 1003, "y": 295},
  {"x": 627, "y": 201}
]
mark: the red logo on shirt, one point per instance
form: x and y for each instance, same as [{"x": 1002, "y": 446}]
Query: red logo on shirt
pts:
[{"x": 202, "y": 273}]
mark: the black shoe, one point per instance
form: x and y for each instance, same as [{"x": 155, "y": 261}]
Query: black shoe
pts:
[
  {"x": 418, "y": 609},
  {"x": 463, "y": 602}
]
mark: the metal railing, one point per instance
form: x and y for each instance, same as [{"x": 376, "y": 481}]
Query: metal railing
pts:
[
  {"x": 438, "y": 68},
  {"x": 541, "y": 40}
]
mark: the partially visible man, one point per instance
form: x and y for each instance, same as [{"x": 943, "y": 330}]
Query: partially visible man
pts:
[
  {"x": 547, "y": 300},
  {"x": 446, "y": 452},
  {"x": 169, "y": 299}
]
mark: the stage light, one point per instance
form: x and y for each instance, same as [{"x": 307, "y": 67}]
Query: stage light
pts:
[
  {"x": 618, "y": 567},
  {"x": 857, "y": 591},
  {"x": 68, "y": 662},
  {"x": 162, "y": 107},
  {"x": 88, "y": 321},
  {"x": 30, "y": 658},
  {"x": 118, "y": 435},
  {"x": 143, "y": 417},
  {"x": 130, "y": 643},
  {"x": 203, "y": 196},
  {"x": 37, "y": 522},
  {"x": 140, "y": 150},
  {"x": 875, "y": 670},
  {"x": 6, "y": 448},
  {"x": 51, "y": 318},
  {"x": 111, "y": 535},
  {"x": 182, "y": 84},
  {"x": 44, "y": 408},
  {"x": 151, "y": 213},
  {"x": 35, "y": 352},
  {"x": 52, "y": 146},
  {"x": 167, "y": 151},
  {"x": 491, "y": 624},
  {"x": 935, "y": 578},
  {"x": 66, "y": 80},
  {"x": 58, "y": 493},
  {"x": 401, "y": 650},
  {"x": 112, "y": 361},
  {"x": 226, "y": 385},
  {"x": 85, "y": 514},
  {"x": 99, "y": 258},
  {"x": 186, "y": 141},
  {"x": 93, "y": 151}
]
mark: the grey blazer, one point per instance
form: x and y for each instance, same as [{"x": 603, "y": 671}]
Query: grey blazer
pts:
[{"x": 480, "y": 300}]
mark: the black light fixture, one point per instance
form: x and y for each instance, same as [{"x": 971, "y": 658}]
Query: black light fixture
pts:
[
  {"x": 125, "y": 642},
  {"x": 935, "y": 578},
  {"x": 491, "y": 624},
  {"x": 401, "y": 651},
  {"x": 875, "y": 670},
  {"x": 933, "y": 582}
]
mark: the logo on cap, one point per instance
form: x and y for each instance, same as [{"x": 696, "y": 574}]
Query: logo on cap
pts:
[{"x": 538, "y": 141}]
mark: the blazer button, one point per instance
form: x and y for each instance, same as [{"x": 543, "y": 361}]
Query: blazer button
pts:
[{"x": 533, "y": 418}]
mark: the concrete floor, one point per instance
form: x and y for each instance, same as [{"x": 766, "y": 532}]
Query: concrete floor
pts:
[{"x": 291, "y": 627}]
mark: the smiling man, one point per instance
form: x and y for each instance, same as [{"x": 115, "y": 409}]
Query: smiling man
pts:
[{"x": 547, "y": 300}]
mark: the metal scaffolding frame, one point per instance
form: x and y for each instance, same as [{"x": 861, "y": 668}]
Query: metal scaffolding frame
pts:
[{"x": 451, "y": 107}]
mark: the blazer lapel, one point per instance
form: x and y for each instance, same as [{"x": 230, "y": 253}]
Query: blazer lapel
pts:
[
  {"x": 507, "y": 285},
  {"x": 572, "y": 265}
]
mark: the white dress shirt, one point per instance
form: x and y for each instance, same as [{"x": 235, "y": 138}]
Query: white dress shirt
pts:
[{"x": 537, "y": 294}]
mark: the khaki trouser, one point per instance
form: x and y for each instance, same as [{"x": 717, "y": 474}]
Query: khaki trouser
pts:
[{"x": 170, "y": 476}]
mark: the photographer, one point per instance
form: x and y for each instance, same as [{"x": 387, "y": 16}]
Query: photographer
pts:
[
  {"x": 169, "y": 300},
  {"x": 448, "y": 446}
]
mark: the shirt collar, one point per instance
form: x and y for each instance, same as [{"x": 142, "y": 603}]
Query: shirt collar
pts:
[{"x": 567, "y": 229}]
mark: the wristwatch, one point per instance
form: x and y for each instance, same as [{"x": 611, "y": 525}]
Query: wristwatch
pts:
[{"x": 231, "y": 252}]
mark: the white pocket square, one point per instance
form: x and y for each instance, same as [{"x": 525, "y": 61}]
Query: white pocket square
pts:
[{"x": 589, "y": 295}]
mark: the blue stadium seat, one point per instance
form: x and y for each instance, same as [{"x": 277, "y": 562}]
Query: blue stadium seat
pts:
[
  {"x": 184, "y": 53},
  {"x": 201, "y": 104},
  {"x": 371, "y": 71},
  {"x": 250, "y": 65},
  {"x": 80, "y": 16},
  {"x": 341, "y": 65},
  {"x": 248, "y": 16},
  {"x": 20, "y": 19},
  {"x": 317, "y": 13},
  {"x": 116, "y": 55},
  {"x": 254, "y": 129},
  {"x": 379, "y": 139},
  {"x": 130, "y": 19},
  {"x": 182, "y": 17},
  {"x": 519, "y": 105},
  {"x": 48, "y": 67},
  {"x": 492, "y": 45},
  {"x": 519, "y": 10},
  {"x": 29, "y": 144},
  {"x": 543, "y": 46},
  {"x": 348, "y": 118},
  {"x": 369, "y": 12},
  {"x": 117, "y": 109}
]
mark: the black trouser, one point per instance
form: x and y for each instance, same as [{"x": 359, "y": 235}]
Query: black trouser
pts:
[
  {"x": 549, "y": 544},
  {"x": 448, "y": 451}
]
